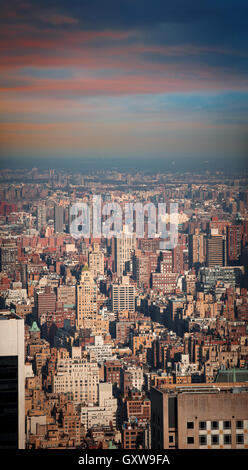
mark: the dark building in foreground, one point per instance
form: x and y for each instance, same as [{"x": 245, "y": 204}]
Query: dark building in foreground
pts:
[
  {"x": 200, "y": 417},
  {"x": 12, "y": 381}
]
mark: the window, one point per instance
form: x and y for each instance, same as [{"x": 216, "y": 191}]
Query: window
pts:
[
  {"x": 239, "y": 438},
  {"x": 227, "y": 439},
  {"x": 215, "y": 425},
  {"x": 203, "y": 440},
  {"x": 190, "y": 425},
  {"x": 227, "y": 424},
  {"x": 239, "y": 424},
  {"x": 215, "y": 439},
  {"x": 202, "y": 425},
  {"x": 190, "y": 440},
  {"x": 171, "y": 439}
]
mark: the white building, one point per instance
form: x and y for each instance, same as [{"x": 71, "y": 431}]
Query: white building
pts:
[
  {"x": 32, "y": 423},
  {"x": 104, "y": 413},
  {"x": 100, "y": 351},
  {"x": 184, "y": 367},
  {"x": 16, "y": 295},
  {"x": 77, "y": 377},
  {"x": 137, "y": 376}
]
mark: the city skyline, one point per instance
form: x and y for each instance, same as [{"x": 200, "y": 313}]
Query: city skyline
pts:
[
  {"x": 123, "y": 230},
  {"x": 125, "y": 83}
]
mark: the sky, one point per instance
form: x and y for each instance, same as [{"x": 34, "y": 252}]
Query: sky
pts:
[{"x": 124, "y": 80}]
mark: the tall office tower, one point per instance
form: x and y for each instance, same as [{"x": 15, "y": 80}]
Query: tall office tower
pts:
[
  {"x": 180, "y": 255},
  {"x": 123, "y": 296},
  {"x": 196, "y": 248},
  {"x": 40, "y": 217},
  {"x": 144, "y": 263},
  {"x": 96, "y": 261},
  {"x": 141, "y": 268},
  {"x": 86, "y": 299},
  {"x": 165, "y": 261},
  {"x": 123, "y": 247},
  {"x": 12, "y": 381},
  {"x": 45, "y": 301},
  {"x": 215, "y": 251},
  {"x": 58, "y": 219},
  {"x": 8, "y": 258},
  {"x": 200, "y": 417},
  {"x": 234, "y": 237}
]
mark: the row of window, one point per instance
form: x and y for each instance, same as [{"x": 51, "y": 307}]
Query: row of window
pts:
[
  {"x": 215, "y": 425},
  {"x": 227, "y": 439}
]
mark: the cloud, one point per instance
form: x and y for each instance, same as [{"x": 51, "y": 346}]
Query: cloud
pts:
[{"x": 156, "y": 71}]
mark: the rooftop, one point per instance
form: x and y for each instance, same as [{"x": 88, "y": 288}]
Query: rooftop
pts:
[
  {"x": 232, "y": 376},
  {"x": 9, "y": 315}
]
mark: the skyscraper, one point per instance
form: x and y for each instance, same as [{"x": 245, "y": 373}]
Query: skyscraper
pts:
[
  {"x": 40, "y": 217},
  {"x": 96, "y": 261},
  {"x": 215, "y": 251},
  {"x": 123, "y": 296},
  {"x": 8, "y": 258},
  {"x": 12, "y": 381},
  {"x": 196, "y": 248},
  {"x": 123, "y": 247},
  {"x": 86, "y": 298},
  {"x": 234, "y": 236},
  {"x": 58, "y": 219}
]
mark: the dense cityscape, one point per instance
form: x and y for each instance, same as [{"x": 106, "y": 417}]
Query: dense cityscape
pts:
[
  {"x": 123, "y": 233},
  {"x": 128, "y": 345}
]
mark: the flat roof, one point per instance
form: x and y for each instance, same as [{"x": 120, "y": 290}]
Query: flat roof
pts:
[{"x": 9, "y": 315}]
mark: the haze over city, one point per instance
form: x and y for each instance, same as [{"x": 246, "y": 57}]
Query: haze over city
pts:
[
  {"x": 130, "y": 81},
  {"x": 123, "y": 232}
]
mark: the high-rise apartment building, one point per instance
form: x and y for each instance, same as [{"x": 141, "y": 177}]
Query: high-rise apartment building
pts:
[
  {"x": 123, "y": 296},
  {"x": 12, "y": 381},
  {"x": 58, "y": 219},
  {"x": 86, "y": 299},
  {"x": 215, "y": 251},
  {"x": 96, "y": 261},
  {"x": 196, "y": 248},
  {"x": 165, "y": 280},
  {"x": 77, "y": 377},
  {"x": 112, "y": 372},
  {"x": 144, "y": 263},
  {"x": 234, "y": 238},
  {"x": 8, "y": 258},
  {"x": 41, "y": 217},
  {"x": 45, "y": 301},
  {"x": 123, "y": 247}
]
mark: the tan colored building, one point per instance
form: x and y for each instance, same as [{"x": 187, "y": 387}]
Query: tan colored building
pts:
[
  {"x": 196, "y": 248},
  {"x": 96, "y": 261},
  {"x": 77, "y": 377},
  {"x": 200, "y": 417},
  {"x": 123, "y": 247},
  {"x": 66, "y": 295},
  {"x": 86, "y": 298},
  {"x": 123, "y": 296}
]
